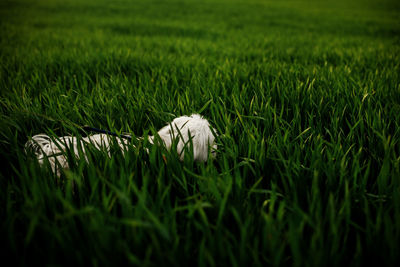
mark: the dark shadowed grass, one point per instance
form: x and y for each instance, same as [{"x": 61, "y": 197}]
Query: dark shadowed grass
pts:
[{"x": 305, "y": 96}]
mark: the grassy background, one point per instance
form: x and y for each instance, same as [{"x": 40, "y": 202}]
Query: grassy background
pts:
[{"x": 304, "y": 94}]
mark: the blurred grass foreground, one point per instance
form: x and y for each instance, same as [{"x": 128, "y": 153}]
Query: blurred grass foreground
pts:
[{"x": 305, "y": 96}]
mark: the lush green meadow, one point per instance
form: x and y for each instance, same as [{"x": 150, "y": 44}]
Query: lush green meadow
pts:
[{"x": 305, "y": 97}]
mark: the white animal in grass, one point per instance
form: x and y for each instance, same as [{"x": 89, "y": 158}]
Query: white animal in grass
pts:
[{"x": 182, "y": 131}]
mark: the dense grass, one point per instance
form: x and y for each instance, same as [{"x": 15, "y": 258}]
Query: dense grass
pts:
[{"x": 305, "y": 96}]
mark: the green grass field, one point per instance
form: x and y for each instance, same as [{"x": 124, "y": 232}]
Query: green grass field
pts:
[{"x": 305, "y": 96}]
